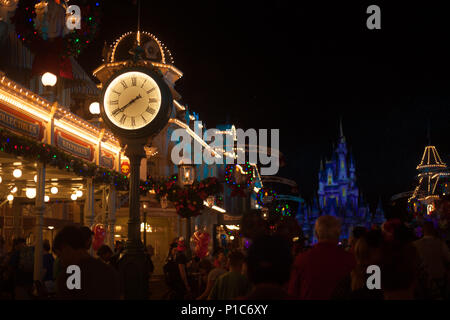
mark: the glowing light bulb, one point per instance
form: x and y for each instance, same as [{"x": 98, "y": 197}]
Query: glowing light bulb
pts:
[
  {"x": 10, "y": 197},
  {"x": 73, "y": 197},
  {"x": 31, "y": 193},
  {"x": 54, "y": 190},
  {"x": 94, "y": 108},
  {"x": 79, "y": 193},
  {"x": 17, "y": 173},
  {"x": 14, "y": 190},
  {"x": 49, "y": 79},
  {"x": 46, "y": 198}
]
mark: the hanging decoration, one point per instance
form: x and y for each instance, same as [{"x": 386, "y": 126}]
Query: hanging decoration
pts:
[
  {"x": 41, "y": 26},
  {"x": 283, "y": 209},
  {"x": 265, "y": 197},
  {"x": 239, "y": 178}
]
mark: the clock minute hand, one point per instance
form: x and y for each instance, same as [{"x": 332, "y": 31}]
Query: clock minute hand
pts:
[{"x": 129, "y": 103}]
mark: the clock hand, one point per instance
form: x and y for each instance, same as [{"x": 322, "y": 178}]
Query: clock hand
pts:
[{"x": 129, "y": 103}]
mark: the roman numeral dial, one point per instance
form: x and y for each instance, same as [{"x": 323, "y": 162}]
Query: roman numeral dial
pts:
[{"x": 132, "y": 100}]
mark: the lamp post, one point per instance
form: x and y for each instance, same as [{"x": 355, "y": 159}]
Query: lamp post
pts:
[
  {"x": 186, "y": 177},
  {"x": 49, "y": 81}
]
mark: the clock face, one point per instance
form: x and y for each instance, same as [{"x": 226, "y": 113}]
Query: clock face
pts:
[{"x": 132, "y": 100}]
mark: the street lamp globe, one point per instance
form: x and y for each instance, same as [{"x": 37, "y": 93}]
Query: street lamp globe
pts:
[
  {"x": 94, "y": 108},
  {"x": 17, "y": 173},
  {"x": 10, "y": 197},
  {"x": 49, "y": 79},
  {"x": 31, "y": 193}
]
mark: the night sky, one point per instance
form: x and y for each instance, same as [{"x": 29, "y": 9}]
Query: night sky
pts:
[{"x": 299, "y": 68}]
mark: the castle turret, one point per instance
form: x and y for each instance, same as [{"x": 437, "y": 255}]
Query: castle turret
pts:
[{"x": 342, "y": 155}]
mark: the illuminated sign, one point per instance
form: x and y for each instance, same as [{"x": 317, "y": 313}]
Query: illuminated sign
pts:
[
  {"x": 13, "y": 120},
  {"x": 74, "y": 146}
]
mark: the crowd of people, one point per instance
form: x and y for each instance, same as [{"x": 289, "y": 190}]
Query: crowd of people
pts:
[
  {"x": 271, "y": 267},
  {"x": 275, "y": 268},
  {"x": 71, "y": 246}
]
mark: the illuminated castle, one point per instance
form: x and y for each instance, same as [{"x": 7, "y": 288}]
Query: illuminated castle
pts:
[{"x": 338, "y": 195}]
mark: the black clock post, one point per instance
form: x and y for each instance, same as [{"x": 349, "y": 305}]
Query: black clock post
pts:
[{"x": 134, "y": 266}]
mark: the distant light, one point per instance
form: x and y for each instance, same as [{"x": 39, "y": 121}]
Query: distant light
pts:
[
  {"x": 17, "y": 173},
  {"x": 35, "y": 178},
  {"x": 49, "y": 79},
  {"x": 73, "y": 197},
  {"x": 231, "y": 237},
  {"x": 51, "y": 227},
  {"x": 14, "y": 190},
  {"x": 31, "y": 193},
  {"x": 1, "y": 179},
  {"x": 10, "y": 197},
  {"x": 79, "y": 193},
  {"x": 54, "y": 190},
  {"x": 46, "y": 198},
  {"x": 94, "y": 108}
]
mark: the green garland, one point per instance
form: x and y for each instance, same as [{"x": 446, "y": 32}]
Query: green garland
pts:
[{"x": 188, "y": 201}]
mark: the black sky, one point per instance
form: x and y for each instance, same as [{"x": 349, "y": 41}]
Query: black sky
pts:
[{"x": 298, "y": 68}]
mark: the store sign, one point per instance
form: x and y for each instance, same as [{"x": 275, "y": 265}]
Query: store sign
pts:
[
  {"x": 107, "y": 160},
  {"x": 74, "y": 146},
  {"x": 13, "y": 120}
]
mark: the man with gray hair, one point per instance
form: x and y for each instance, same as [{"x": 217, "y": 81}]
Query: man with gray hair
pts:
[{"x": 317, "y": 271}]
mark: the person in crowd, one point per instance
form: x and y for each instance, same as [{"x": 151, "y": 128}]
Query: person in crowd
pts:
[
  {"x": 22, "y": 264},
  {"x": 232, "y": 284},
  {"x": 182, "y": 262},
  {"x": 98, "y": 280},
  {"x": 48, "y": 262},
  {"x": 399, "y": 272},
  {"x": 269, "y": 263},
  {"x": 204, "y": 267},
  {"x": 105, "y": 253},
  {"x": 317, "y": 272},
  {"x": 397, "y": 234},
  {"x": 357, "y": 233},
  {"x": 435, "y": 256},
  {"x": 177, "y": 289},
  {"x": 368, "y": 251},
  {"x": 150, "y": 253},
  {"x": 118, "y": 253},
  {"x": 220, "y": 263},
  {"x": 87, "y": 236}
]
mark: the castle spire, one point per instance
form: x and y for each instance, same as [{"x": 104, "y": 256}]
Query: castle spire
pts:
[{"x": 341, "y": 131}]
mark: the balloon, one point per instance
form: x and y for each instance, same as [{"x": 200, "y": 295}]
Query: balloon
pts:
[{"x": 99, "y": 236}]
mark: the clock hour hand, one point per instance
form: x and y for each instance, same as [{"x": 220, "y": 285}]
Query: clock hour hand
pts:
[{"x": 128, "y": 104}]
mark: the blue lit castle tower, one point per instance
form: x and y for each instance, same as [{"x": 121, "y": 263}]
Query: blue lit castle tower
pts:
[{"x": 338, "y": 195}]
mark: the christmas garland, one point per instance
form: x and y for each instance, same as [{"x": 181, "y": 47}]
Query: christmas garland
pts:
[
  {"x": 263, "y": 194},
  {"x": 50, "y": 155},
  {"x": 74, "y": 42},
  {"x": 283, "y": 210},
  {"x": 188, "y": 200},
  {"x": 238, "y": 188}
]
